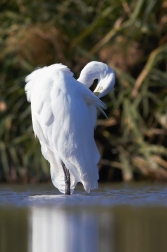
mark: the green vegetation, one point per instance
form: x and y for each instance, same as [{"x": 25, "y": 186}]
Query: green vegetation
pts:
[{"x": 130, "y": 36}]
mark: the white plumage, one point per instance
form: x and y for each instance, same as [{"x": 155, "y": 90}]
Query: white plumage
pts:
[{"x": 64, "y": 116}]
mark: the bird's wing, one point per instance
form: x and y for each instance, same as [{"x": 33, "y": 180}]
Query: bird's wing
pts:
[
  {"x": 76, "y": 145},
  {"x": 62, "y": 122}
]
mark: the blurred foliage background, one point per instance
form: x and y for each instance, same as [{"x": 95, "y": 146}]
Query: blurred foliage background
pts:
[{"x": 131, "y": 37}]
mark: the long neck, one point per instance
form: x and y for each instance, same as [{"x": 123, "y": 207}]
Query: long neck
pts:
[{"x": 92, "y": 71}]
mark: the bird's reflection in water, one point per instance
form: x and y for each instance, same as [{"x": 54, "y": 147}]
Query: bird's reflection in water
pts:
[{"x": 62, "y": 230}]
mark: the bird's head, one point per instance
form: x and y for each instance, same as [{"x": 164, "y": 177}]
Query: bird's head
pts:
[{"x": 105, "y": 84}]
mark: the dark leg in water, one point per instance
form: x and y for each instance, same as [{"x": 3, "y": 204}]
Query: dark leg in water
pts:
[{"x": 67, "y": 179}]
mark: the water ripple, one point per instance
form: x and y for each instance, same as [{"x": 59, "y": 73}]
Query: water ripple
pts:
[{"x": 106, "y": 195}]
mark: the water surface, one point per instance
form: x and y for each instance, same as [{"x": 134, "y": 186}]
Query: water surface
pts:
[{"x": 115, "y": 218}]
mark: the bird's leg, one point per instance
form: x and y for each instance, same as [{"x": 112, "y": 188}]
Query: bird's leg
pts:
[{"x": 67, "y": 179}]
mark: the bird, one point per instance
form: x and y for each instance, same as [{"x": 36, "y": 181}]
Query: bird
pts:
[{"x": 64, "y": 115}]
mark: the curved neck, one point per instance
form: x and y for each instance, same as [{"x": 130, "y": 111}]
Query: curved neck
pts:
[
  {"x": 92, "y": 71},
  {"x": 98, "y": 70}
]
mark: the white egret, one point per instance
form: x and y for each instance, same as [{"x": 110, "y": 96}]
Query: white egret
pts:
[{"x": 64, "y": 113}]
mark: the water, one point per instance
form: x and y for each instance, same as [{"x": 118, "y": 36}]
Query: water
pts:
[{"x": 115, "y": 218}]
